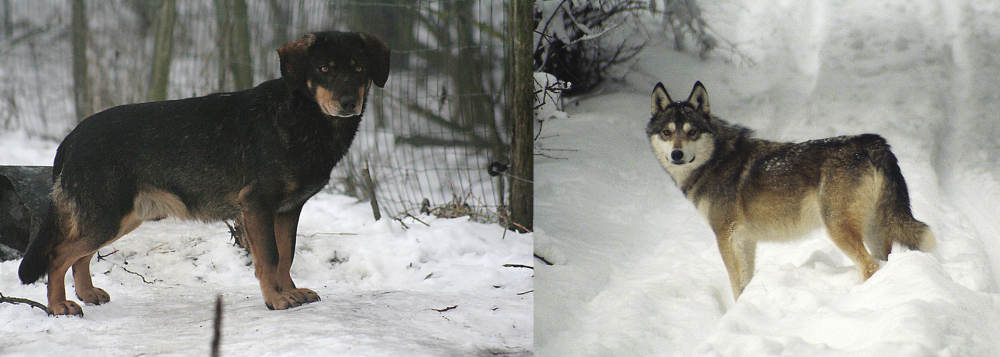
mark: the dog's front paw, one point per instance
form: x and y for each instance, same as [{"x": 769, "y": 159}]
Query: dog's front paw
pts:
[
  {"x": 291, "y": 298},
  {"x": 93, "y": 295},
  {"x": 64, "y": 307}
]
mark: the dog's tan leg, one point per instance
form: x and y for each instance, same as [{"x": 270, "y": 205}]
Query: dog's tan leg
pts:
[
  {"x": 85, "y": 289},
  {"x": 58, "y": 305},
  {"x": 260, "y": 227},
  {"x": 65, "y": 254},
  {"x": 285, "y": 226}
]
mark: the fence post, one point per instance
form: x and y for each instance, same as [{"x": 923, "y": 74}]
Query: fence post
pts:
[{"x": 520, "y": 29}]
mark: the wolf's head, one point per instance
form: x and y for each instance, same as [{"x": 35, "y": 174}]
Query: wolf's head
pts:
[{"x": 681, "y": 133}]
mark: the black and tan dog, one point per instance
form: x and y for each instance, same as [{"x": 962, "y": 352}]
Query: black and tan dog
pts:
[{"x": 255, "y": 156}]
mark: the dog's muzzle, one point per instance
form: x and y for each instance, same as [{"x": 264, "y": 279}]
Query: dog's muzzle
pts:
[
  {"x": 349, "y": 102},
  {"x": 677, "y": 158}
]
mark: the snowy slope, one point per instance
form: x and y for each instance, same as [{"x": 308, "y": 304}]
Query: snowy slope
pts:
[
  {"x": 637, "y": 269},
  {"x": 381, "y": 284}
]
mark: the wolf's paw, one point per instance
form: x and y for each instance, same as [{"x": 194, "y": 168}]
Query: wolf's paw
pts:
[
  {"x": 291, "y": 298},
  {"x": 65, "y": 307},
  {"x": 93, "y": 295}
]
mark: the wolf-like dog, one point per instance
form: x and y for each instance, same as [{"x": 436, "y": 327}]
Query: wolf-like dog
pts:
[
  {"x": 754, "y": 190},
  {"x": 254, "y": 156}
]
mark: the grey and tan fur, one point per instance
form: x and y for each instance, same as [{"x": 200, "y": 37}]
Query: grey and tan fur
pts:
[{"x": 754, "y": 190}]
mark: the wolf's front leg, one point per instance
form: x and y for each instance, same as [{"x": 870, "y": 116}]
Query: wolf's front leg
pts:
[{"x": 738, "y": 251}]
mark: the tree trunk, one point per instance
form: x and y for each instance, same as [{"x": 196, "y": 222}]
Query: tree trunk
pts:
[
  {"x": 473, "y": 101},
  {"x": 222, "y": 11},
  {"x": 81, "y": 81},
  {"x": 163, "y": 48},
  {"x": 520, "y": 28},
  {"x": 233, "y": 45},
  {"x": 240, "y": 51},
  {"x": 8, "y": 23},
  {"x": 282, "y": 22}
]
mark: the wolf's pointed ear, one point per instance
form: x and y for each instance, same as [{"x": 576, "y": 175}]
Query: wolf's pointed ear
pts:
[
  {"x": 378, "y": 59},
  {"x": 699, "y": 98},
  {"x": 292, "y": 57},
  {"x": 660, "y": 98}
]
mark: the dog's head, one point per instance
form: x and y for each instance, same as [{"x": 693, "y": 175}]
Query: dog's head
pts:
[
  {"x": 681, "y": 132},
  {"x": 336, "y": 69}
]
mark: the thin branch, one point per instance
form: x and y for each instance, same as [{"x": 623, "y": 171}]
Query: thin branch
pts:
[
  {"x": 539, "y": 257},
  {"x": 140, "y": 275},
  {"x": 446, "y": 309},
  {"x": 53, "y": 21},
  {"x": 518, "y": 266},
  {"x": 17, "y": 300}
]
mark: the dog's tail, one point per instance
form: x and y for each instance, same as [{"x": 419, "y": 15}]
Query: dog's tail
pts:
[
  {"x": 38, "y": 255},
  {"x": 893, "y": 221}
]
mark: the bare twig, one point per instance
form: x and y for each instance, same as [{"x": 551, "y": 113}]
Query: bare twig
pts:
[
  {"x": 53, "y": 22},
  {"x": 101, "y": 257},
  {"x": 518, "y": 266},
  {"x": 17, "y": 300},
  {"x": 140, "y": 275},
  {"x": 371, "y": 191},
  {"x": 539, "y": 257},
  {"x": 217, "y": 335},
  {"x": 446, "y": 309},
  {"x": 325, "y": 233}
]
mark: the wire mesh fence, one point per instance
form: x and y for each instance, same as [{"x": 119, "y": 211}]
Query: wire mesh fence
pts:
[{"x": 427, "y": 137}]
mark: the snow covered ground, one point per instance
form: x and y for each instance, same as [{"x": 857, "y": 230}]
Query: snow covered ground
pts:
[
  {"x": 439, "y": 289},
  {"x": 637, "y": 271}
]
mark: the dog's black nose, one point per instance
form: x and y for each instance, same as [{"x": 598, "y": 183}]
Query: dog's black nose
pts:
[
  {"x": 676, "y": 155},
  {"x": 348, "y": 102}
]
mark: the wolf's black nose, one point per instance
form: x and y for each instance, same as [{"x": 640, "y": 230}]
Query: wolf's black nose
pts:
[
  {"x": 676, "y": 155},
  {"x": 348, "y": 101}
]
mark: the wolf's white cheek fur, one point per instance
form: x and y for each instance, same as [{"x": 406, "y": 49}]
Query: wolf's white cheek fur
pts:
[{"x": 695, "y": 154}]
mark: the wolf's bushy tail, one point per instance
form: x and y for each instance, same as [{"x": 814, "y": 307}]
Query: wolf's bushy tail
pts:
[
  {"x": 38, "y": 255},
  {"x": 893, "y": 220}
]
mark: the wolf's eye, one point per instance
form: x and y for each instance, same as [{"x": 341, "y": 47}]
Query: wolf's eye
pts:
[
  {"x": 324, "y": 69},
  {"x": 692, "y": 132},
  {"x": 359, "y": 69},
  {"x": 666, "y": 132}
]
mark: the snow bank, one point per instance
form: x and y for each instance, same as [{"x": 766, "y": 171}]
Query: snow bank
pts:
[{"x": 637, "y": 269}]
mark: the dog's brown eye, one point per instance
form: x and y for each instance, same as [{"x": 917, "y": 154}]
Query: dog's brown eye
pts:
[
  {"x": 359, "y": 68},
  {"x": 324, "y": 69},
  {"x": 666, "y": 132},
  {"x": 692, "y": 132}
]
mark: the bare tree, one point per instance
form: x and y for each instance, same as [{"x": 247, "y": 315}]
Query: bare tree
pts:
[
  {"x": 580, "y": 41},
  {"x": 233, "y": 43},
  {"x": 163, "y": 48},
  {"x": 458, "y": 54},
  {"x": 81, "y": 80},
  {"x": 239, "y": 62},
  {"x": 5, "y": 19}
]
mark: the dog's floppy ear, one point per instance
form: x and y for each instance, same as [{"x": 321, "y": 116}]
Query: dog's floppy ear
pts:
[
  {"x": 699, "y": 98},
  {"x": 378, "y": 59},
  {"x": 660, "y": 98},
  {"x": 292, "y": 57}
]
